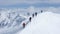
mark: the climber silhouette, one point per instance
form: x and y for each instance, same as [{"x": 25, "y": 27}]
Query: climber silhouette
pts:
[
  {"x": 24, "y": 25},
  {"x": 30, "y": 19},
  {"x": 35, "y": 13},
  {"x": 41, "y": 11},
  {"x": 32, "y": 15}
]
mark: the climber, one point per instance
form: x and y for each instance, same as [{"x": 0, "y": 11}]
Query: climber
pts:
[
  {"x": 24, "y": 25},
  {"x": 35, "y": 13},
  {"x": 30, "y": 19},
  {"x": 41, "y": 11},
  {"x": 32, "y": 15}
]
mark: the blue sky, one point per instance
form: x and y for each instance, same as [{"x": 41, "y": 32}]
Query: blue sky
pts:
[{"x": 27, "y": 3}]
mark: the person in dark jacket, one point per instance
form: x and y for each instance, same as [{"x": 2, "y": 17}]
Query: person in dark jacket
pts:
[
  {"x": 30, "y": 19},
  {"x": 41, "y": 11},
  {"x": 35, "y": 13},
  {"x": 24, "y": 25},
  {"x": 32, "y": 15}
]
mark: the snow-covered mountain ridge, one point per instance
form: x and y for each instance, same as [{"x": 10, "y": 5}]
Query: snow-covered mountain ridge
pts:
[{"x": 44, "y": 23}]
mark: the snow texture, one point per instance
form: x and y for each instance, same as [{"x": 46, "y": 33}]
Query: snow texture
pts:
[
  {"x": 44, "y": 23},
  {"x": 47, "y": 22}
]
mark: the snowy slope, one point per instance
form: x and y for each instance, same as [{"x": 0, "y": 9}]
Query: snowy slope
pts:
[
  {"x": 45, "y": 23},
  {"x": 11, "y": 19}
]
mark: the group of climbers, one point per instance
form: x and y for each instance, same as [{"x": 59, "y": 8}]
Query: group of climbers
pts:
[{"x": 30, "y": 18}]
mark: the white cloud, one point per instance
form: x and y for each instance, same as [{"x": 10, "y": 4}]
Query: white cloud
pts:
[{"x": 11, "y": 2}]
